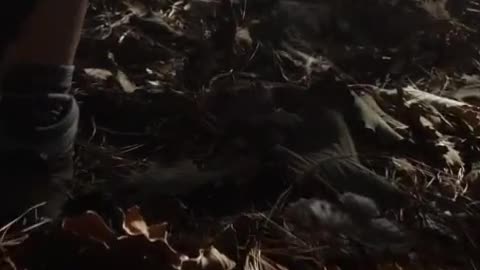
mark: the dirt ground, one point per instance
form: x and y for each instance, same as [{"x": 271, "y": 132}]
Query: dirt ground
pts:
[{"x": 203, "y": 127}]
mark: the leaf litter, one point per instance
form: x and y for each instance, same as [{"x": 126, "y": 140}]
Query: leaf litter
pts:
[{"x": 342, "y": 141}]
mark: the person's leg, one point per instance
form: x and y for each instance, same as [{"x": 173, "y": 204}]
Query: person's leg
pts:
[
  {"x": 38, "y": 116},
  {"x": 49, "y": 37},
  {"x": 51, "y": 34}
]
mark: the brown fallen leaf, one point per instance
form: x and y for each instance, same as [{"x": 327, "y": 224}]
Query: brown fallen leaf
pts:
[
  {"x": 446, "y": 106},
  {"x": 90, "y": 225},
  {"x": 158, "y": 232},
  {"x": 209, "y": 259},
  {"x": 134, "y": 225},
  {"x": 142, "y": 244}
]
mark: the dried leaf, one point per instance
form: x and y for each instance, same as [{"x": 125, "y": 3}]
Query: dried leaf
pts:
[
  {"x": 134, "y": 225},
  {"x": 374, "y": 102},
  {"x": 127, "y": 85},
  {"x": 98, "y": 73},
  {"x": 417, "y": 96},
  {"x": 451, "y": 156},
  {"x": 209, "y": 259},
  {"x": 89, "y": 225},
  {"x": 372, "y": 120},
  {"x": 158, "y": 232}
]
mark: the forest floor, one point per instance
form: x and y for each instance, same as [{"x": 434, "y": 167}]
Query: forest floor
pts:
[{"x": 170, "y": 92}]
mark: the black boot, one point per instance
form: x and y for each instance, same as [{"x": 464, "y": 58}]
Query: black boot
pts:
[{"x": 37, "y": 133}]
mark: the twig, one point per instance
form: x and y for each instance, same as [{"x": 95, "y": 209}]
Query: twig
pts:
[
  {"x": 5, "y": 228},
  {"x": 280, "y": 201},
  {"x": 94, "y": 131}
]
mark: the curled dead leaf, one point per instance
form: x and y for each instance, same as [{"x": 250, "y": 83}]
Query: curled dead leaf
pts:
[
  {"x": 134, "y": 225},
  {"x": 89, "y": 225},
  {"x": 158, "y": 232}
]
